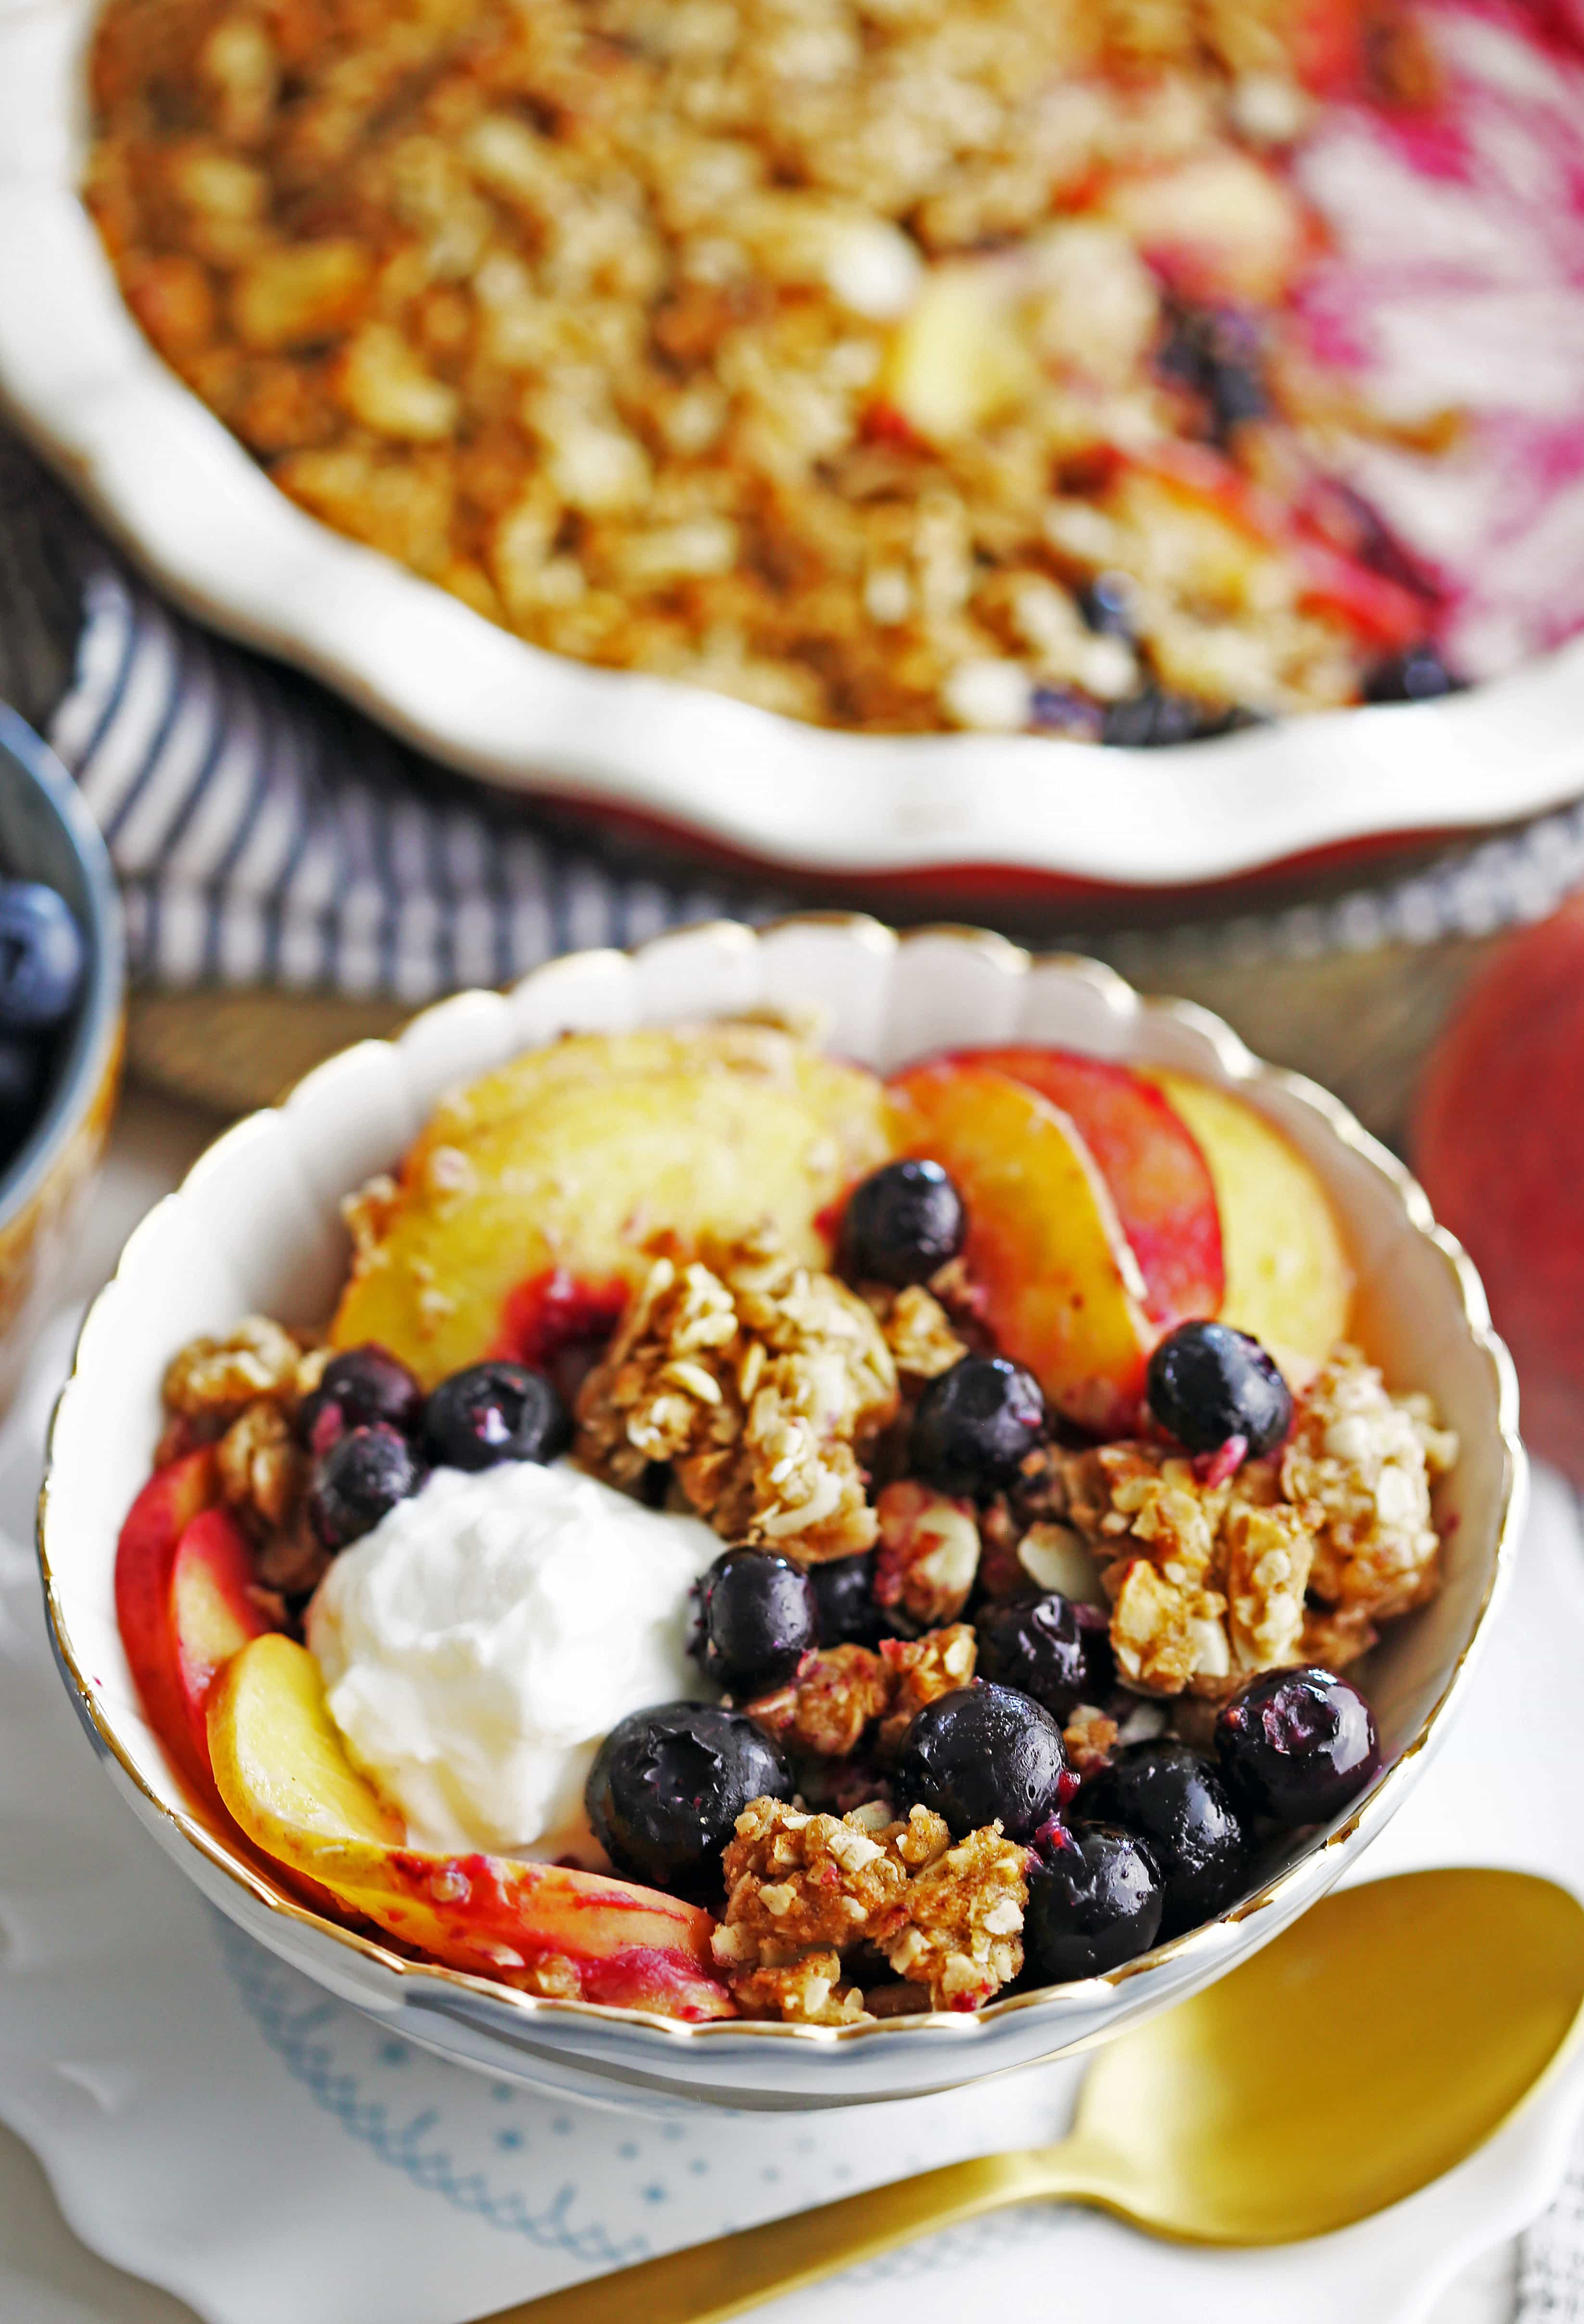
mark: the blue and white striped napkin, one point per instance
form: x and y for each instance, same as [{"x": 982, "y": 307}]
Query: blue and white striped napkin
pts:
[{"x": 264, "y": 832}]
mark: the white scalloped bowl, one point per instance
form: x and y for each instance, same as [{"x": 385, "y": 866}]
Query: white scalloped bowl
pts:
[
  {"x": 956, "y": 814},
  {"x": 257, "y": 1225}
]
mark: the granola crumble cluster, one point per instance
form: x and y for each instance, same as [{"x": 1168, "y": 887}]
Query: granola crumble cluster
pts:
[
  {"x": 1292, "y": 1558},
  {"x": 846, "y": 1695},
  {"x": 759, "y": 1382},
  {"x": 819, "y": 352},
  {"x": 240, "y": 1393},
  {"x": 804, "y": 1890}
]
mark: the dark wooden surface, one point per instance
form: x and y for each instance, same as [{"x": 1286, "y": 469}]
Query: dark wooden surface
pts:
[{"x": 1358, "y": 1021}]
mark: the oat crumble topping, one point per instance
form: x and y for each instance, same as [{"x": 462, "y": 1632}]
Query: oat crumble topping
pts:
[
  {"x": 1291, "y": 1557},
  {"x": 1360, "y": 1465},
  {"x": 818, "y": 352},
  {"x": 760, "y": 1381},
  {"x": 801, "y": 1890},
  {"x": 843, "y": 1694},
  {"x": 918, "y": 1331}
]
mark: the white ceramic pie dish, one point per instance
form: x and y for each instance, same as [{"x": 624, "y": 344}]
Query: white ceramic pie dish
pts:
[
  {"x": 78, "y": 376},
  {"x": 256, "y": 1224}
]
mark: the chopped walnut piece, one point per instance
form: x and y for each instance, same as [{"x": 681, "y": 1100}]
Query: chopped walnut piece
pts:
[
  {"x": 293, "y": 1561},
  {"x": 1359, "y": 1465},
  {"x": 757, "y": 1379},
  {"x": 262, "y": 1467},
  {"x": 210, "y": 1377},
  {"x": 963, "y": 1939},
  {"x": 928, "y": 1554}
]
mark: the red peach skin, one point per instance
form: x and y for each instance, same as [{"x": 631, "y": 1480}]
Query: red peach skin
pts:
[
  {"x": 1062, "y": 1292},
  {"x": 214, "y": 1611},
  {"x": 1150, "y": 1160},
  {"x": 145, "y": 1560}
]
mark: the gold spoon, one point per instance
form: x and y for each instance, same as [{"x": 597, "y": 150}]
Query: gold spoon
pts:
[{"x": 1359, "y": 2056}]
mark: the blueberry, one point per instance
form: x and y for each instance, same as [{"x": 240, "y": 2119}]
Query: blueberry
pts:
[
  {"x": 843, "y": 1590},
  {"x": 901, "y": 1223},
  {"x": 22, "y": 1081},
  {"x": 1296, "y": 1745},
  {"x": 494, "y": 1412},
  {"x": 1218, "y": 353},
  {"x": 1173, "y": 1802},
  {"x": 1063, "y": 710},
  {"x": 1107, "y": 602},
  {"x": 1047, "y": 1647},
  {"x": 1208, "y": 1383},
  {"x": 356, "y": 1388},
  {"x": 1419, "y": 675},
  {"x": 668, "y": 1786},
  {"x": 1155, "y": 719},
  {"x": 975, "y": 1425},
  {"x": 1094, "y": 1901},
  {"x": 359, "y": 1480},
  {"x": 43, "y": 958},
  {"x": 984, "y": 1752},
  {"x": 758, "y": 1617}
]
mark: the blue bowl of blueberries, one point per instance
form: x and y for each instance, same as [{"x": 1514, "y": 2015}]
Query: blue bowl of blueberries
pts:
[{"x": 63, "y": 983}]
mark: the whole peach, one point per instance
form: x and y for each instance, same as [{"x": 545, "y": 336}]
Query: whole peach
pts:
[{"x": 1498, "y": 1142}]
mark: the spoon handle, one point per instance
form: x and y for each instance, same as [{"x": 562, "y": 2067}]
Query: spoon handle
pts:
[{"x": 720, "y": 2279}]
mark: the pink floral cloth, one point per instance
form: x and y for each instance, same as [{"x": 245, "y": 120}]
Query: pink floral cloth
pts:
[{"x": 1457, "y": 281}]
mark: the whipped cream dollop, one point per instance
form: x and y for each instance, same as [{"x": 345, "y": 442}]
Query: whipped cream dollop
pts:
[{"x": 483, "y": 1640}]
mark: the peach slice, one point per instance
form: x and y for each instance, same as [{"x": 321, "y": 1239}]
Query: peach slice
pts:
[
  {"x": 575, "y": 1156},
  {"x": 214, "y": 1611},
  {"x": 1149, "y": 1160},
  {"x": 1289, "y": 1278},
  {"x": 285, "y": 1777},
  {"x": 1062, "y": 1292},
  {"x": 145, "y": 1560}
]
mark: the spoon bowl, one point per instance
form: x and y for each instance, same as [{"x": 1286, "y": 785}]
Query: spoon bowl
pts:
[
  {"x": 1361, "y": 2054},
  {"x": 1365, "y": 2053}
]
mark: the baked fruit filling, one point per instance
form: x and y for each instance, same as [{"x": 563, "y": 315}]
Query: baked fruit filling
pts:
[
  {"x": 757, "y": 1539},
  {"x": 892, "y": 365}
]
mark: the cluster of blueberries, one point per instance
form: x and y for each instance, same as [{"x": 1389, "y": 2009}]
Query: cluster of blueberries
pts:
[
  {"x": 374, "y": 1435},
  {"x": 1161, "y": 1839},
  {"x": 1158, "y": 1841},
  {"x": 43, "y": 964}
]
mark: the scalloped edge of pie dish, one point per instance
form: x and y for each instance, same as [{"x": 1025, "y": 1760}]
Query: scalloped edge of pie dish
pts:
[
  {"x": 259, "y": 1211},
  {"x": 191, "y": 506}
]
